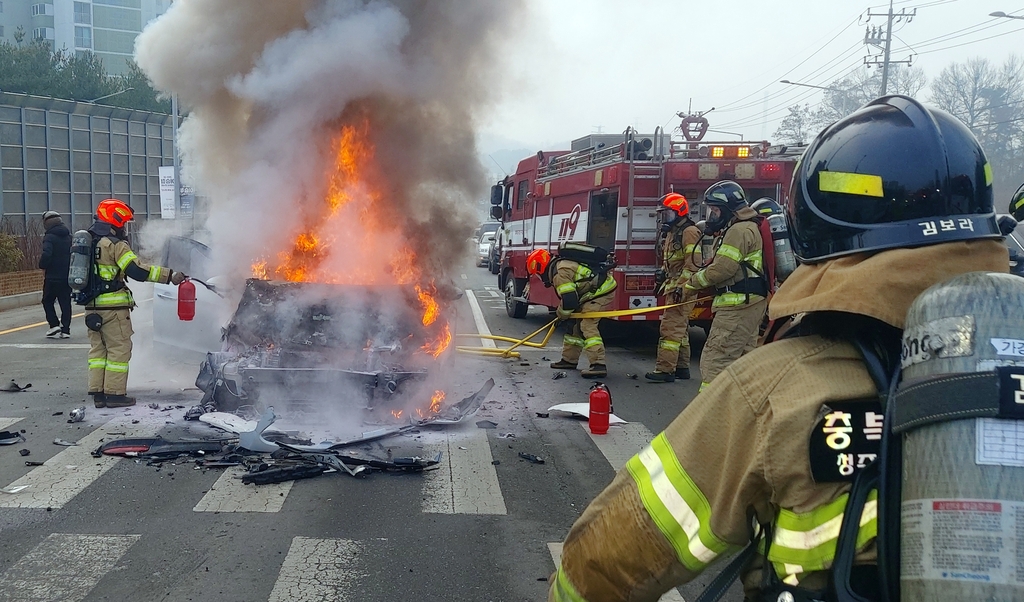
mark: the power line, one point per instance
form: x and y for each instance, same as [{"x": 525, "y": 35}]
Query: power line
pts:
[
  {"x": 973, "y": 41},
  {"x": 794, "y": 68}
]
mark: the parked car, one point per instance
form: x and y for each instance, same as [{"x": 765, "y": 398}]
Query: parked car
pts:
[
  {"x": 484, "y": 248},
  {"x": 494, "y": 256}
]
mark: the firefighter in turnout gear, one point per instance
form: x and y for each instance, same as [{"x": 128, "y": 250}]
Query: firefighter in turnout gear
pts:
[
  {"x": 737, "y": 274},
  {"x": 742, "y": 466},
  {"x": 581, "y": 290},
  {"x": 680, "y": 257},
  {"x": 107, "y": 315}
]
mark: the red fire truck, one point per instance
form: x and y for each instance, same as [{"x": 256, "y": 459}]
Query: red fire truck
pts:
[{"x": 604, "y": 191}]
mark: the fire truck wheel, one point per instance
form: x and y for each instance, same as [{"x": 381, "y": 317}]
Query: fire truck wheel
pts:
[{"x": 514, "y": 288}]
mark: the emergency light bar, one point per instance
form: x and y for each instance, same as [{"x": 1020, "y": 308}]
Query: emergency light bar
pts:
[{"x": 728, "y": 152}]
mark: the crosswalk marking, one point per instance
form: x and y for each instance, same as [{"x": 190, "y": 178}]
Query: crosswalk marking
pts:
[
  {"x": 466, "y": 482},
  {"x": 621, "y": 443},
  {"x": 555, "y": 549},
  {"x": 228, "y": 494},
  {"x": 63, "y": 567},
  {"x": 69, "y": 472},
  {"x": 6, "y": 423},
  {"x": 319, "y": 569}
]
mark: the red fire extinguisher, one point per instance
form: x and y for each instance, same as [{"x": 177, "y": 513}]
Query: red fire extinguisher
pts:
[
  {"x": 600, "y": 408},
  {"x": 186, "y": 300}
]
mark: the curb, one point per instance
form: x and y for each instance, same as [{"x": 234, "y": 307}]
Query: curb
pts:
[{"x": 22, "y": 300}]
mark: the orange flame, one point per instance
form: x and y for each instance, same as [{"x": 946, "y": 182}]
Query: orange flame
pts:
[
  {"x": 396, "y": 413},
  {"x": 435, "y": 401},
  {"x": 437, "y": 346},
  {"x": 430, "y": 307}
]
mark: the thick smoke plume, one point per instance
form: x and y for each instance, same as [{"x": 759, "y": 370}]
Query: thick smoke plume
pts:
[{"x": 280, "y": 92}]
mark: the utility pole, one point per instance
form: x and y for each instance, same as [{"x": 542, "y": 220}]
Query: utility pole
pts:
[{"x": 874, "y": 36}]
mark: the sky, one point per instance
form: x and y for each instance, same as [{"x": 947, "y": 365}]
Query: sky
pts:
[{"x": 576, "y": 67}]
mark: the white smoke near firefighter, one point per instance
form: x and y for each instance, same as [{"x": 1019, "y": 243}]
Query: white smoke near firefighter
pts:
[{"x": 335, "y": 139}]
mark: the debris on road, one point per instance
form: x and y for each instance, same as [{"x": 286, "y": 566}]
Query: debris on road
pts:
[
  {"x": 13, "y": 387},
  {"x": 486, "y": 424},
  {"x": 13, "y": 490},
  {"x": 33, "y": 463},
  {"x": 59, "y": 441},
  {"x": 558, "y": 375},
  {"x": 542, "y": 414},
  {"x": 24, "y": 452},
  {"x": 583, "y": 410},
  {"x": 9, "y": 438},
  {"x": 531, "y": 458},
  {"x": 77, "y": 414},
  {"x": 632, "y": 376}
]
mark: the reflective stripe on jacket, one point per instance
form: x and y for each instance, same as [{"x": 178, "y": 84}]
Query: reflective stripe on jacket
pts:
[
  {"x": 742, "y": 444},
  {"x": 737, "y": 258},
  {"x": 571, "y": 276},
  {"x": 113, "y": 258},
  {"x": 681, "y": 254}
]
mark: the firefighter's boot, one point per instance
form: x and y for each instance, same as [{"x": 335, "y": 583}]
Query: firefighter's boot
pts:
[
  {"x": 683, "y": 373},
  {"x": 595, "y": 371},
  {"x": 660, "y": 377},
  {"x": 98, "y": 399},
  {"x": 563, "y": 365},
  {"x": 119, "y": 401}
]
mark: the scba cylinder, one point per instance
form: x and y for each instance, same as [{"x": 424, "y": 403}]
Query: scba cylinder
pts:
[
  {"x": 785, "y": 259},
  {"x": 958, "y": 410}
]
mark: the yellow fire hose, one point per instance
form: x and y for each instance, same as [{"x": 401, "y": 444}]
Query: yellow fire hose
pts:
[{"x": 550, "y": 327}]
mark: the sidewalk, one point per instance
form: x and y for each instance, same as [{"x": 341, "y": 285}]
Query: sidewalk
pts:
[{"x": 22, "y": 300}]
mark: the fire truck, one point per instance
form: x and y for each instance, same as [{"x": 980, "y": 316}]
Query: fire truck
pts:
[{"x": 605, "y": 190}]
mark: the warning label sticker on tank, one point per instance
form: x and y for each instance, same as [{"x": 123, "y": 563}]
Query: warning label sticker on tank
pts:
[
  {"x": 978, "y": 541},
  {"x": 1008, "y": 347}
]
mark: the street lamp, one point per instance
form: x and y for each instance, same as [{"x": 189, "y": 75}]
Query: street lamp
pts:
[
  {"x": 113, "y": 94},
  {"x": 841, "y": 92},
  {"x": 1000, "y": 13}
]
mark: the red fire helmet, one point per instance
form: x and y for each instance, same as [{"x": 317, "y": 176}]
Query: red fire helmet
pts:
[
  {"x": 114, "y": 212},
  {"x": 537, "y": 261},
  {"x": 677, "y": 203}
]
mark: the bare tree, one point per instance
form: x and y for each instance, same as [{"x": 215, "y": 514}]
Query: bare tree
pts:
[
  {"x": 846, "y": 95},
  {"x": 798, "y": 127},
  {"x": 990, "y": 101}
]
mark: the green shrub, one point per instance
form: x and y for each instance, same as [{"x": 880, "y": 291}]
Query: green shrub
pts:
[{"x": 10, "y": 254}]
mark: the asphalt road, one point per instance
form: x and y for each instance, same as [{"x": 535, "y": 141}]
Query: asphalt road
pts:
[{"x": 484, "y": 527}]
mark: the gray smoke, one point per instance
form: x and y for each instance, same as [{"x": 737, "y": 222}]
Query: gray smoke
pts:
[{"x": 270, "y": 86}]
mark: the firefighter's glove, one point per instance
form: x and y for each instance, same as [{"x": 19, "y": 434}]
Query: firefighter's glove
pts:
[
  {"x": 563, "y": 314},
  {"x": 177, "y": 278}
]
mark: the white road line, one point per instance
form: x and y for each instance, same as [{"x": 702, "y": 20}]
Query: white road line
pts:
[
  {"x": 478, "y": 318},
  {"x": 319, "y": 569},
  {"x": 46, "y": 345},
  {"x": 228, "y": 494},
  {"x": 621, "y": 443},
  {"x": 7, "y": 422},
  {"x": 491, "y": 294},
  {"x": 69, "y": 472},
  {"x": 555, "y": 549},
  {"x": 466, "y": 483},
  {"x": 63, "y": 567}
]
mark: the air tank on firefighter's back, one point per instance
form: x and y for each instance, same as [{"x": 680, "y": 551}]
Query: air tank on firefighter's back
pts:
[
  {"x": 959, "y": 409},
  {"x": 81, "y": 249},
  {"x": 785, "y": 259}
]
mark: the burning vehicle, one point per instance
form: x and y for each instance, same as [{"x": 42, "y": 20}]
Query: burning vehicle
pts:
[{"x": 331, "y": 348}]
